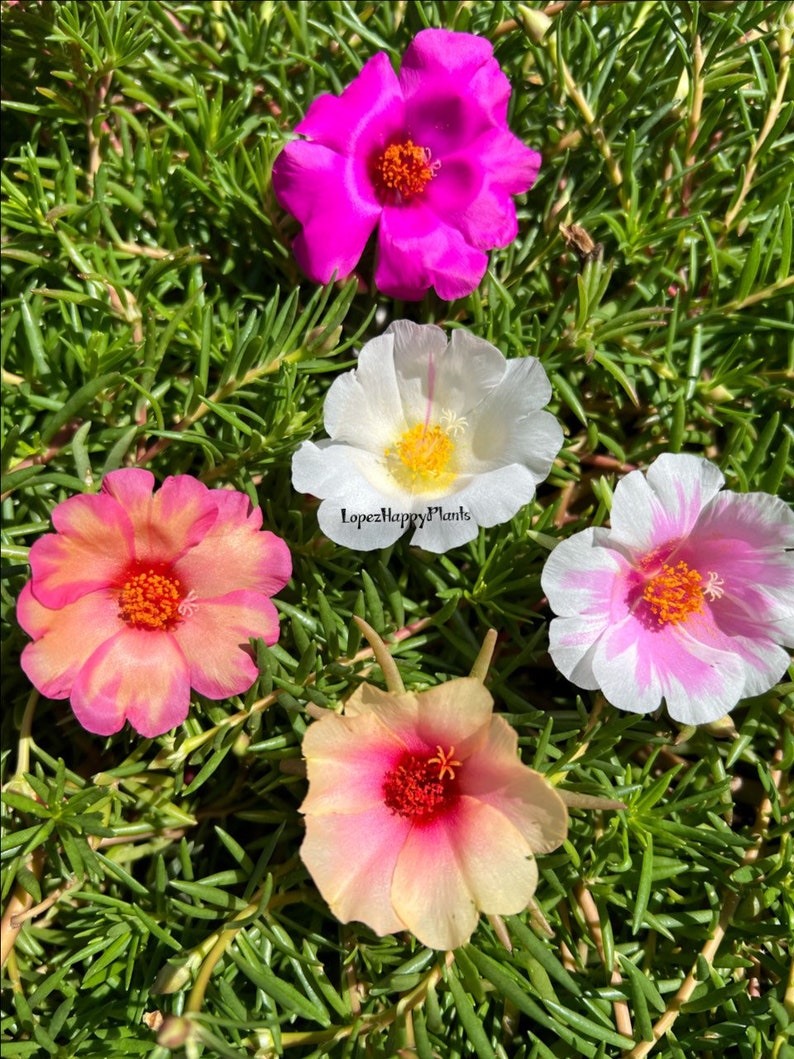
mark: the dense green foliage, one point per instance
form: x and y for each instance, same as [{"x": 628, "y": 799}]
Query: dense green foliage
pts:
[{"x": 153, "y": 316}]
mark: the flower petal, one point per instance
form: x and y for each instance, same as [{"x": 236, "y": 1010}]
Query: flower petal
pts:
[
  {"x": 168, "y": 523},
  {"x": 636, "y": 666},
  {"x": 494, "y": 774},
  {"x": 417, "y": 250},
  {"x": 236, "y": 553},
  {"x": 453, "y": 87},
  {"x": 583, "y": 576},
  {"x": 368, "y": 113},
  {"x": 65, "y": 638},
  {"x": 93, "y": 545},
  {"x": 663, "y": 505},
  {"x": 336, "y": 207},
  {"x": 364, "y": 407},
  {"x": 351, "y": 859},
  {"x": 354, "y": 511},
  {"x": 470, "y": 860},
  {"x": 214, "y": 639},
  {"x": 348, "y": 759},
  {"x": 434, "y": 378},
  {"x": 139, "y": 676}
]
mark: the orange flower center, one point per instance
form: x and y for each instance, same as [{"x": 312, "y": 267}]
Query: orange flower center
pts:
[
  {"x": 405, "y": 168},
  {"x": 422, "y": 788},
  {"x": 421, "y": 459},
  {"x": 151, "y": 600},
  {"x": 674, "y": 593}
]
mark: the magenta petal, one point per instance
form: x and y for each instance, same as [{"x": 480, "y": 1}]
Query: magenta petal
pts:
[
  {"x": 417, "y": 251},
  {"x": 366, "y": 115},
  {"x": 453, "y": 87},
  {"x": 333, "y": 200},
  {"x": 138, "y": 676}
]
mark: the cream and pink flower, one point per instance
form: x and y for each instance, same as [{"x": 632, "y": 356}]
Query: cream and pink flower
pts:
[
  {"x": 688, "y": 597},
  {"x": 140, "y": 595},
  {"x": 424, "y": 158},
  {"x": 420, "y": 814}
]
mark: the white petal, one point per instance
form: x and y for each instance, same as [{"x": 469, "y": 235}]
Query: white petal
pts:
[
  {"x": 581, "y": 574},
  {"x": 363, "y": 407},
  {"x": 664, "y": 505}
]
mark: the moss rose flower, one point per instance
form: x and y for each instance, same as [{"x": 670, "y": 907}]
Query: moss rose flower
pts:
[
  {"x": 688, "y": 596},
  {"x": 140, "y": 596},
  {"x": 425, "y": 157},
  {"x": 420, "y": 814},
  {"x": 434, "y": 437}
]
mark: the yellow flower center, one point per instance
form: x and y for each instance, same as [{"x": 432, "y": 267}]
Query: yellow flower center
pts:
[
  {"x": 405, "y": 168},
  {"x": 421, "y": 459},
  {"x": 150, "y": 600},
  {"x": 674, "y": 593}
]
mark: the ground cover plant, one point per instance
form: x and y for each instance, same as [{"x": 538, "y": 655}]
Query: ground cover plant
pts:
[{"x": 154, "y": 317}]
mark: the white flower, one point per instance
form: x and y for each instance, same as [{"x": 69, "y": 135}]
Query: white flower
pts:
[{"x": 427, "y": 436}]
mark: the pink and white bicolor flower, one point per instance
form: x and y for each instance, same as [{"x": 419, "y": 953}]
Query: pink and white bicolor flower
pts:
[
  {"x": 139, "y": 596},
  {"x": 424, "y": 158},
  {"x": 688, "y": 597},
  {"x": 420, "y": 814}
]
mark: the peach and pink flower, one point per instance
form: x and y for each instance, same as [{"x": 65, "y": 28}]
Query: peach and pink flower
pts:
[
  {"x": 423, "y": 158},
  {"x": 688, "y": 597},
  {"x": 140, "y": 595},
  {"x": 420, "y": 814}
]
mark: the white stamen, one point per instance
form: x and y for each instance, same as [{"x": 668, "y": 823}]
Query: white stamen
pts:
[
  {"x": 451, "y": 423},
  {"x": 188, "y": 607},
  {"x": 713, "y": 587}
]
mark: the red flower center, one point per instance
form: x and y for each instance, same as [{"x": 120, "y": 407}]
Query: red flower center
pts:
[
  {"x": 422, "y": 788},
  {"x": 403, "y": 167},
  {"x": 152, "y": 599}
]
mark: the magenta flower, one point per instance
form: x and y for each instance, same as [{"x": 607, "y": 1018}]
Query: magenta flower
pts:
[
  {"x": 138, "y": 597},
  {"x": 420, "y": 814},
  {"x": 688, "y": 596},
  {"x": 425, "y": 157}
]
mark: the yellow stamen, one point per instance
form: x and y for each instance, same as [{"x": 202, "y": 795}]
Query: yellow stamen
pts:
[
  {"x": 421, "y": 459},
  {"x": 150, "y": 600},
  {"x": 674, "y": 593},
  {"x": 405, "y": 168},
  {"x": 446, "y": 762}
]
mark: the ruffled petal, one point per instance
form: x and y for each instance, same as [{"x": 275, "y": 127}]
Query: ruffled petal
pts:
[
  {"x": 454, "y": 89},
  {"x": 364, "y": 407},
  {"x": 167, "y": 523},
  {"x": 635, "y": 666},
  {"x": 509, "y": 425},
  {"x": 351, "y": 859},
  {"x": 138, "y": 676},
  {"x": 214, "y": 638},
  {"x": 435, "y": 378},
  {"x": 584, "y": 576},
  {"x": 354, "y": 512},
  {"x": 473, "y": 190},
  {"x": 494, "y": 775},
  {"x": 651, "y": 509},
  {"x": 470, "y": 860},
  {"x": 236, "y": 553},
  {"x": 65, "y": 638},
  {"x": 364, "y": 117},
  {"x": 348, "y": 759},
  {"x": 333, "y": 201},
  {"x": 91, "y": 549},
  {"x": 572, "y": 645},
  {"x": 416, "y": 251}
]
